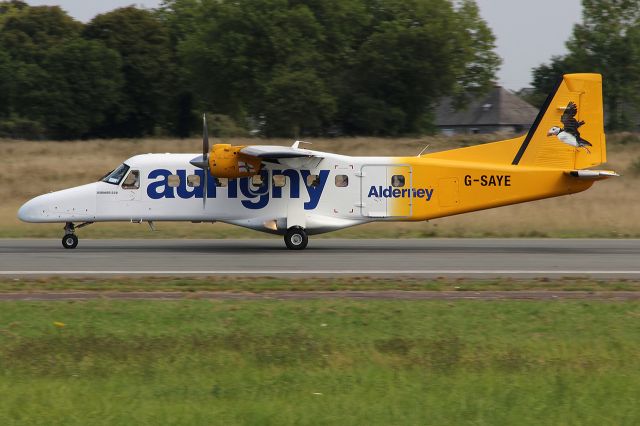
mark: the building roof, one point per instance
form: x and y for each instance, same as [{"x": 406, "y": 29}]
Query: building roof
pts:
[{"x": 499, "y": 107}]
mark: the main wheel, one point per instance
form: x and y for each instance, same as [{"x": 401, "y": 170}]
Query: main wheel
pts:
[
  {"x": 70, "y": 241},
  {"x": 296, "y": 238}
]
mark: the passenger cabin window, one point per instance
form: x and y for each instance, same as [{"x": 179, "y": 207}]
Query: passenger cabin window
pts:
[
  {"x": 313, "y": 180},
  {"x": 279, "y": 181},
  {"x": 256, "y": 180},
  {"x": 173, "y": 181},
  {"x": 116, "y": 176},
  {"x": 342, "y": 181},
  {"x": 193, "y": 181},
  {"x": 132, "y": 181},
  {"x": 397, "y": 181},
  {"x": 222, "y": 182}
]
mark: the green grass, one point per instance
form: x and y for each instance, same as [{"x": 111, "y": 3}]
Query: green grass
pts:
[
  {"x": 319, "y": 362},
  {"x": 262, "y": 284}
]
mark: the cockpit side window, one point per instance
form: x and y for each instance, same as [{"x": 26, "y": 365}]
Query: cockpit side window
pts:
[
  {"x": 132, "y": 181},
  {"x": 116, "y": 176}
]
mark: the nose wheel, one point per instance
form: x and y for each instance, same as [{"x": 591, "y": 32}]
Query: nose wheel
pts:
[
  {"x": 296, "y": 238},
  {"x": 70, "y": 241}
]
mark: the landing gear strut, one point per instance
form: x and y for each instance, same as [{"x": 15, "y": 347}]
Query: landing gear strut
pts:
[
  {"x": 296, "y": 238},
  {"x": 70, "y": 240}
]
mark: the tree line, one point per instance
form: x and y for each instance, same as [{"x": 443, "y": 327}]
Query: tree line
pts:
[
  {"x": 607, "y": 41},
  {"x": 273, "y": 67}
]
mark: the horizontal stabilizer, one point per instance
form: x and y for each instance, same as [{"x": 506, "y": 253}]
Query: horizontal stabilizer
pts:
[{"x": 592, "y": 174}]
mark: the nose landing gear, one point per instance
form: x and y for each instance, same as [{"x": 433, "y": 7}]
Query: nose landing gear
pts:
[{"x": 70, "y": 240}]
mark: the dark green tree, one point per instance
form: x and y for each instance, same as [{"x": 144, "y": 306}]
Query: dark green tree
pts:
[
  {"x": 6, "y": 84},
  {"x": 179, "y": 17},
  {"x": 297, "y": 102},
  {"x": 301, "y": 66},
  {"x": 607, "y": 41},
  {"x": 477, "y": 63},
  {"x": 418, "y": 51},
  {"x": 239, "y": 49},
  {"x": 27, "y": 33},
  {"x": 60, "y": 85},
  {"x": 144, "y": 47},
  {"x": 9, "y": 8},
  {"x": 374, "y": 66},
  {"x": 84, "y": 85}
]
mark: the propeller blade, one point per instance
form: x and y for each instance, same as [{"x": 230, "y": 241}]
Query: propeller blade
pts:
[
  {"x": 205, "y": 137},
  {"x": 205, "y": 182}
]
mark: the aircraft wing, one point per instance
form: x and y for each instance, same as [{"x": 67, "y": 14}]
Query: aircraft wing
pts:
[
  {"x": 270, "y": 152},
  {"x": 290, "y": 156}
]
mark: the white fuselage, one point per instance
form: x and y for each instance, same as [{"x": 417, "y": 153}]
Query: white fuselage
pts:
[{"x": 310, "y": 193}]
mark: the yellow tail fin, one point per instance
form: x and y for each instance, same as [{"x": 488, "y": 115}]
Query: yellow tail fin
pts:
[
  {"x": 569, "y": 130},
  {"x": 568, "y": 133}
]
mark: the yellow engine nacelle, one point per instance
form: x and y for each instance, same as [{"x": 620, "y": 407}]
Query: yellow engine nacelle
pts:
[{"x": 227, "y": 161}]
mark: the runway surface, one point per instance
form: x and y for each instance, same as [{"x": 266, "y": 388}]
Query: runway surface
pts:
[{"x": 477, "y": 258}]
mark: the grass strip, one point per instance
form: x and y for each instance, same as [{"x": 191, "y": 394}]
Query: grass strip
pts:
[
  {"x": 323, "y": 362},
  {"x": 262, "y": 284}
]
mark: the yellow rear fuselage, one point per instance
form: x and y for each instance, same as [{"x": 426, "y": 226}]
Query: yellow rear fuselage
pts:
[{"x": 461, "y": 186}]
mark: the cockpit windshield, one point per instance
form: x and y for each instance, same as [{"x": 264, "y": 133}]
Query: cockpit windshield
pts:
[{"x": 115, "y": 177}]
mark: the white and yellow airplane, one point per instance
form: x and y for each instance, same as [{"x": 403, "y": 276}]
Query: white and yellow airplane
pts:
[{"x": 298, "y": 192}]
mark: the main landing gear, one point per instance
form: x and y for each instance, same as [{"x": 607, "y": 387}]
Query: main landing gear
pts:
[
  {"x": 70, "y": 240},
  {"x": 296, "y": 238}
]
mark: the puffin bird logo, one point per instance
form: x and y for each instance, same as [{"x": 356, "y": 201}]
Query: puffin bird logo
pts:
[{"x": 570, "y": 134}]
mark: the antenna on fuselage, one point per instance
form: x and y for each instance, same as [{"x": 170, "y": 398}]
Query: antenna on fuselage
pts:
[
  {"x": 423, "y": 150},
  {"x": 296, "y": 144}
]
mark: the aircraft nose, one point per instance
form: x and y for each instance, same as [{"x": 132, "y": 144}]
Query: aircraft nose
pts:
[
  {"x": 33, "y": 210},
  {"x": 69, "y": 205}
]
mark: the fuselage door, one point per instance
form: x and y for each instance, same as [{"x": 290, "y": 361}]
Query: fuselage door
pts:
[{"x": 386, "y": 191}]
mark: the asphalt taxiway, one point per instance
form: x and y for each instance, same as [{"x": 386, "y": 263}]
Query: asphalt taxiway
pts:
[{"x": 475, "y": 258}]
